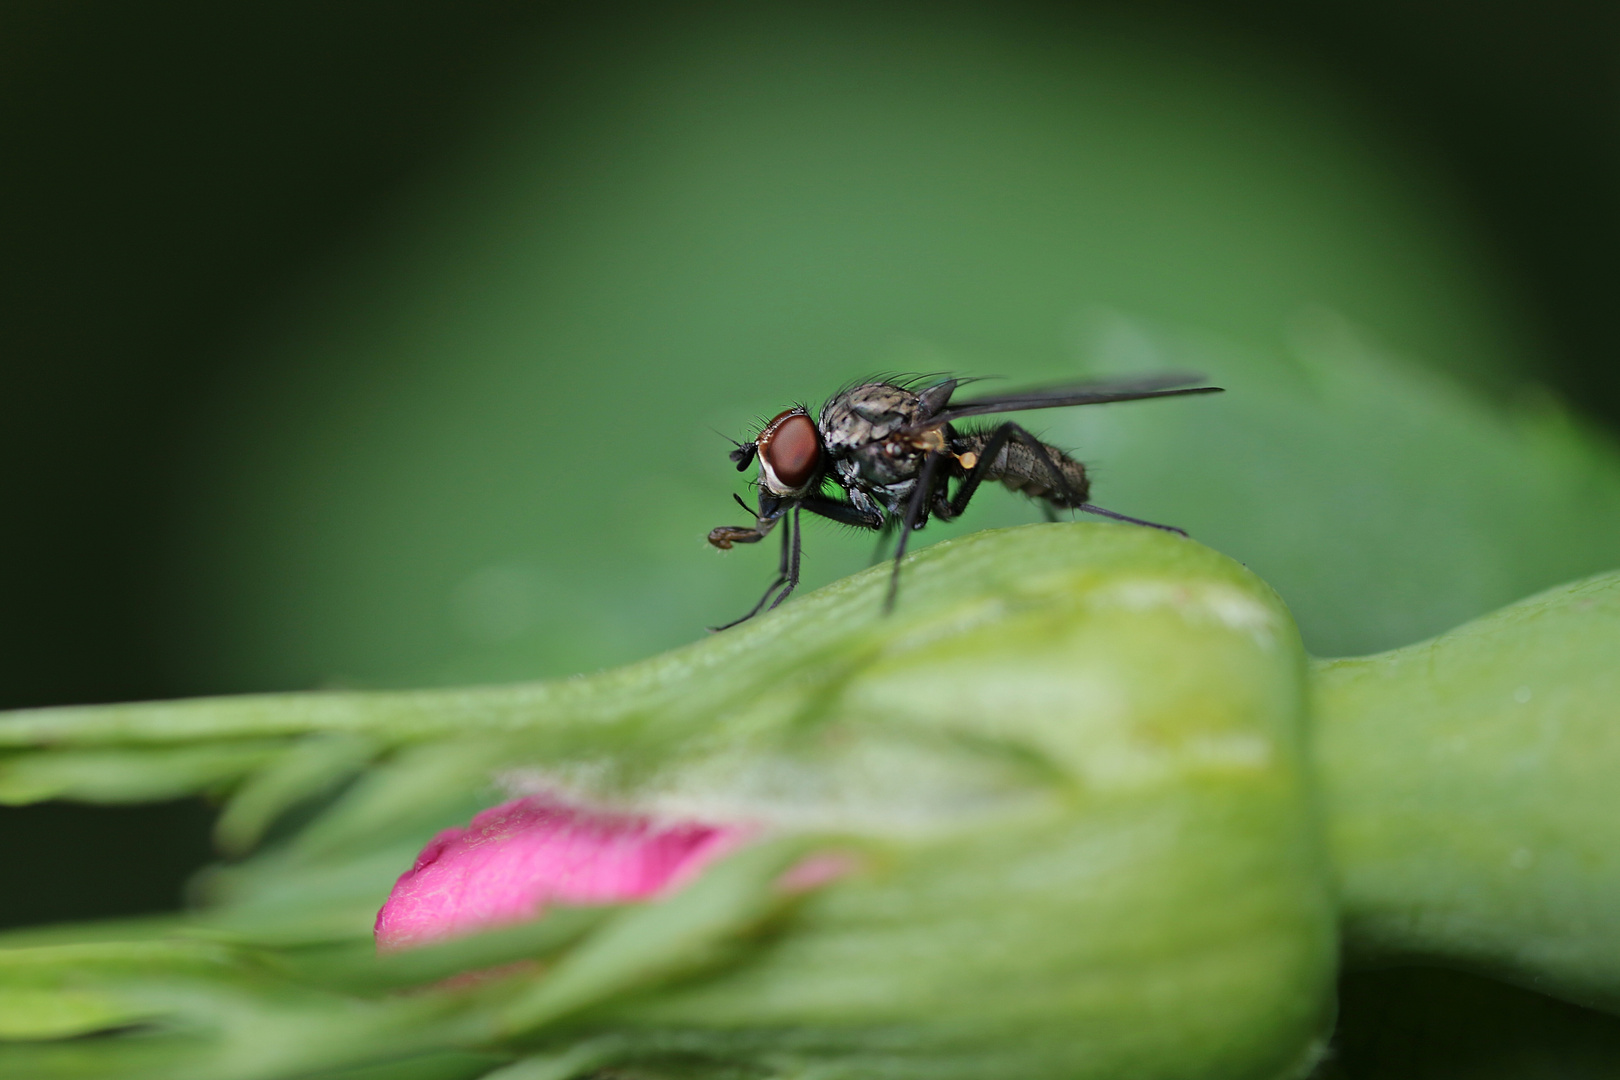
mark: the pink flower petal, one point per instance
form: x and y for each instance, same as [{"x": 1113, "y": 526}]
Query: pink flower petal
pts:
[{"x": 516, "y": 858}]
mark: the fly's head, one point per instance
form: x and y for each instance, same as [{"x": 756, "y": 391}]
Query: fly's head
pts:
[
  {"x": 791, "y": 465},
  {"x": 789, "y": 452}
]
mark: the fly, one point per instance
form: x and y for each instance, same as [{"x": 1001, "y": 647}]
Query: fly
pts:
[{"x": 892, "y": 448}]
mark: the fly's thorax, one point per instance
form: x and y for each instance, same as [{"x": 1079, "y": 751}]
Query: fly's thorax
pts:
[
  {"x": 866, "y": 414},
  {"x": 862, "y": 428}
]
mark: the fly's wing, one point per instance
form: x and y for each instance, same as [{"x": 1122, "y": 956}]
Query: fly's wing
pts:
[
  {"x": 936, "y": 397},
  {"x": 1087, "y": 393}
]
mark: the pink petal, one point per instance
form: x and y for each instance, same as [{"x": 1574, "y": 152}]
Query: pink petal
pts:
[{"x": 516, "y": 858}]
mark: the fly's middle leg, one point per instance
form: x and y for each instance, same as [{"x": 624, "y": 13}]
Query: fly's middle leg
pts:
[
  {"x": 916, "y": 513},
  {"x": 886, "y": 536}
]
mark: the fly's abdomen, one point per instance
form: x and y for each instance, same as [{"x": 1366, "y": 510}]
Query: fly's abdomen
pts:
[{"x": 1017, "y": 466}]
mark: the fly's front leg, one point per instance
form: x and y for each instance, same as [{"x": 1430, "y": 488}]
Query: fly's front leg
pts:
[
  {"x": 726, "y": 535},
  {"x": 847, "y": 514},
  {"x": 842, "y": 512},
  {"x": 791, "y": 570}
]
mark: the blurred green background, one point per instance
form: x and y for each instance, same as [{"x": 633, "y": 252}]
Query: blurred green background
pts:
[{"x": 386, "y": 344}]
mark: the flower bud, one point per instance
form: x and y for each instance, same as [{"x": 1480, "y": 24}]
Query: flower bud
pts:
[
  {"x": 1050, "y": 818},
  {"x": 1063, "y": 788}
]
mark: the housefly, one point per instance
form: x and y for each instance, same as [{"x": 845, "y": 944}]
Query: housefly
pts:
[{"x": 891, "y": 449}]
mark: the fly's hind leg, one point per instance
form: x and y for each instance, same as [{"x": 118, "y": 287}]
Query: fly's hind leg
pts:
[
  {"x": 1060, "y": 483},
  {"x": 991, "y": 450},
  {"x": 1011, "y": 432},
  {"x": 1090, "y": 508}
]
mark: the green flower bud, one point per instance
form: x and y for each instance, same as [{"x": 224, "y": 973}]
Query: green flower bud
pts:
[
  {"x": 1067, "y": 778},
  {"x": 1071, "y": 769},
  {"x": 1080, "y": 823}
]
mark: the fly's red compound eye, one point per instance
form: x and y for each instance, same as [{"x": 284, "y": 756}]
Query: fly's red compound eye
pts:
[{"x": 790, "y": 451}]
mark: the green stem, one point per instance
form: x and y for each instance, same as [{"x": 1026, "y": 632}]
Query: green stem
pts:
[{"x": 1473, "y": 791}]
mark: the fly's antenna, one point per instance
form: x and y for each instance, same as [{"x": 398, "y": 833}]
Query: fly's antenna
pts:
[{"x": 743, "y": 454}]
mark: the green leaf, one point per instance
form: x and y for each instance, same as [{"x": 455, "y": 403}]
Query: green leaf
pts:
[
  {"x": 130, "y": 774},
  {"x": 356, "y": 966},
  {"x": 649, "y": 943},
  {"x": 1385, "y": 503},
  {"x": 309, "y": 768}
]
